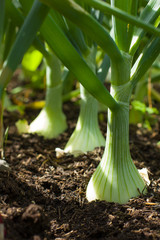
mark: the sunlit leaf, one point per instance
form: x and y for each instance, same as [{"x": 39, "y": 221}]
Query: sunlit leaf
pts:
[
  {"x": 152, "y": 110},
  {"x": 139, "y": 106},
  {"x": 32, "y": 59}
]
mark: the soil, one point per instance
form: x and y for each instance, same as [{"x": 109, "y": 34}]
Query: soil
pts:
[{"x": 43, "y": 197}]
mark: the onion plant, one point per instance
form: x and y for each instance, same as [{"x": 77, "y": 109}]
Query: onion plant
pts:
[
  {"x": 87, "y": 134},
  {"x": 51, "y": 120},
  {"x": 14, "y": 54},
  {"x": 116, "y": 178},
  {"x": 27, "y": 35}
]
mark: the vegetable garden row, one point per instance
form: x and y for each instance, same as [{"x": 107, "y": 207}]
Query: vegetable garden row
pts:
[{"x": 105, "y": 53}]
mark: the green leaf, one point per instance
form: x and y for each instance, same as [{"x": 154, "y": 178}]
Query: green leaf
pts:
[
  {"x": 27, "y": 34},
  {"x": 145, "y": 60},
  {"x": 147, "y": 125},
  {"x": 32, "y": 59},
  {"x": 148, "y": 15},
  {"x": 152, "y": 110},
  {"x": 121, "y": 28},
  {"x": 23, "y": 41},
  {"x": 2, "y": 18},
  {"x": 88, "y": 24},
  {"x": 62, "y": 47},
  {"x": 139, "y": 106},
  {"x": 106, "y": 8}
]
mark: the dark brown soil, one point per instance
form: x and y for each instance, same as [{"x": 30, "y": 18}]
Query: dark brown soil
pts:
[{"x": 44, "y": 197}]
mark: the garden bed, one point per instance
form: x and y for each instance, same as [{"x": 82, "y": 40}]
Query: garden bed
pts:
[{"x": 43, "y": 197}]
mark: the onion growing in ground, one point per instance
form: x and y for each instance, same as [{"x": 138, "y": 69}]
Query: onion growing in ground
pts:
[
  {"x": 51, "y": 121},
  {"x": 87, "y": 135}
]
